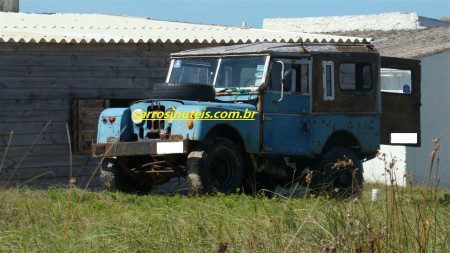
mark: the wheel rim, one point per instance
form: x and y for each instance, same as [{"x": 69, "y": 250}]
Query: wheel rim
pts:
[
  {"x": 223, "y": 170},
  {"x": 343, "y": 178}
]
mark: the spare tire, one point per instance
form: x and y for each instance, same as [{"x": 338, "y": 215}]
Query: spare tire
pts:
[{"x": 184, "y": 91}]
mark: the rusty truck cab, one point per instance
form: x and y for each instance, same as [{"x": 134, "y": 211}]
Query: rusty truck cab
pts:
[{"x": 333, "y": 96}]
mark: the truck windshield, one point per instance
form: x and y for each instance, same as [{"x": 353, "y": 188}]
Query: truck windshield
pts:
[
  {"x": 195, "y": 70},
  {"x": 226, "y": 72}
]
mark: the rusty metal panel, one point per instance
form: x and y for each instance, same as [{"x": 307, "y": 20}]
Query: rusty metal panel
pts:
[
  {"x": 346, "y": 101},
  {"x": 364, "y": 127},
  {"x": 129, "y": 148},
  {"x": 401, "y": 112}
]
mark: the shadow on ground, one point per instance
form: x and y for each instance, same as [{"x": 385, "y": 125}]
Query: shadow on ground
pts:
[{"x": 180, "y": 186}]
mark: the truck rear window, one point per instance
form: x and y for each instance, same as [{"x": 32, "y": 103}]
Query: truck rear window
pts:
[{"x": 396, "y": 80}]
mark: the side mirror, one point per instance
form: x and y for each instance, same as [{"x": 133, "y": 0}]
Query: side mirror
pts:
[{"x": 282, "y": 80}]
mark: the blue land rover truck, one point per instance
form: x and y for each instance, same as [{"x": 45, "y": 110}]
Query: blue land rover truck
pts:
[{"x": 320, "y": 110}]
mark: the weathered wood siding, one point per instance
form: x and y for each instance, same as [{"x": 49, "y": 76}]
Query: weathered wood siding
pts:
[{"x": 40, "y": 82}]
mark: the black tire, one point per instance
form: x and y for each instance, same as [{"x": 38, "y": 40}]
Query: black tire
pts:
[
  {"x": 340, "y": 173},
  {"x": 184, "y": 91},
  {"x": 215, "y": 167},
  {"x": 113, "y": 178}
]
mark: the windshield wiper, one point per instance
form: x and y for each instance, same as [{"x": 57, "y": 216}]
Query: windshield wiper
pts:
[
  {"x": 234, "y": 89},
  {"x": 227, "y": 89}
]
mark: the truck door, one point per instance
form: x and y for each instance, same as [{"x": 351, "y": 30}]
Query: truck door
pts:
[
  {"x": 400, "y": 101},
  {"x": 286, "y": 112}
]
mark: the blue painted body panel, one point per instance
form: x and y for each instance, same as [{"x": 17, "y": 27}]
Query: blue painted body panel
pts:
[
  {"x": 292, "y": 103},
  {"x": 249, "y": 129},
  {"x": 288, "y": 128},
  {"x": 366, "y": 129},
  {"x": 121, "y": 124},
  {"x": 284, "y": 135},
  {"x": 286, "y": 124}
]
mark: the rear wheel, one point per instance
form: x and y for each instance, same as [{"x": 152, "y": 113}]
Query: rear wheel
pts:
[
  {"x": 216, "y": 166},
  {"x": 340, "y": 172}
]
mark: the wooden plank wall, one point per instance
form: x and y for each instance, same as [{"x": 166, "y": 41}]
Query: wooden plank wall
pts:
[{"x": 38, "y": 84}]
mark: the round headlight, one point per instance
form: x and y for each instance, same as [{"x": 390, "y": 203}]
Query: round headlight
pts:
[{"x": 136, "y": 116}]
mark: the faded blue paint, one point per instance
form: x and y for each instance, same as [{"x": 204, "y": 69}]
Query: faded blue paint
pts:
[
  {"x": 249, "y": 130},
  {"x": 113, "y": 130},
  {"x": 286, "y": 124},
  {"x": 288, "y": 127},
  {"x": 285, "y": 134},
  {"x": 292, "y": 103},
  {"x": 366, "y": 129}
]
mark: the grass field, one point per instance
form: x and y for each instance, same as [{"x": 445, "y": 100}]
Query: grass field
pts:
[{"x": 69, "y": 220}]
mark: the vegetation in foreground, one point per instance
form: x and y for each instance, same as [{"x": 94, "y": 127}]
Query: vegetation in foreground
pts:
[{"x": 402, "y": 219}]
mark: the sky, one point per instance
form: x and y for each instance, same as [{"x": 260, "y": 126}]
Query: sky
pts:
[{"x": 234, "y": 12}]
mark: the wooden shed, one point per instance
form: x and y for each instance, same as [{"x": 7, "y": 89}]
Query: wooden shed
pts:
[{"x": 59, "y": 71}]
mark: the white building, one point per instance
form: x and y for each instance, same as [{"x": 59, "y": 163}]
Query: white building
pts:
[{"x": 405, "y": 35}]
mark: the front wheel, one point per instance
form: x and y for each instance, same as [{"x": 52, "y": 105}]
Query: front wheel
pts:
[
  {"x": 114, "y": 178},
  {"x": 340, "y": 172},
  {"x": 216, "y": 166}
]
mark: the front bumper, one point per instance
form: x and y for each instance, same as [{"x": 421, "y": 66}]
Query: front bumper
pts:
[{"x": 156, "y": 147}]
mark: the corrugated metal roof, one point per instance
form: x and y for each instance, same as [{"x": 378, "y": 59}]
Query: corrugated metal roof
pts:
[
  {"x": 256, "y": 48},
  {"x": 99, "y": 28},
  {"x": 272, "y": 48}
]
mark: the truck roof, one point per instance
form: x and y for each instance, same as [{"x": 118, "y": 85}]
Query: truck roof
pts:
[{"x": 277, "y": 49}]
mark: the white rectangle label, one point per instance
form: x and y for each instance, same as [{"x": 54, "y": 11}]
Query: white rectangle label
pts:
[
  {"x": 404, "y": 138},
  {"x": 169, "y": 147}
]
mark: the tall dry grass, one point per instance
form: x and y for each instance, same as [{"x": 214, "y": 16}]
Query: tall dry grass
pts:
[{"x": 402, "y": 219}]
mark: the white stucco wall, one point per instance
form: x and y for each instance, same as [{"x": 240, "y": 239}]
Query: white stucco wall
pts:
[
  {"x": 380, "y": 169},
  {"x": 384, "y": 21},
  {"x": 435, "y": 118},
  {"x": 435, "y": 121}
]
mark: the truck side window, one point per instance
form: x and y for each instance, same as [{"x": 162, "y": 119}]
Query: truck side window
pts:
[
  {"x": 302, "y": 82},
  {"x": 275, "y": 77},
  {"x": 328, "y": 80},
  {"x": 355, "y": 76},
  {"x": 396, "y": 80}
]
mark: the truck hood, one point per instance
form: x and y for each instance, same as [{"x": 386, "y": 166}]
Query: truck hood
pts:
[{"x": 191, "y": 105}]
